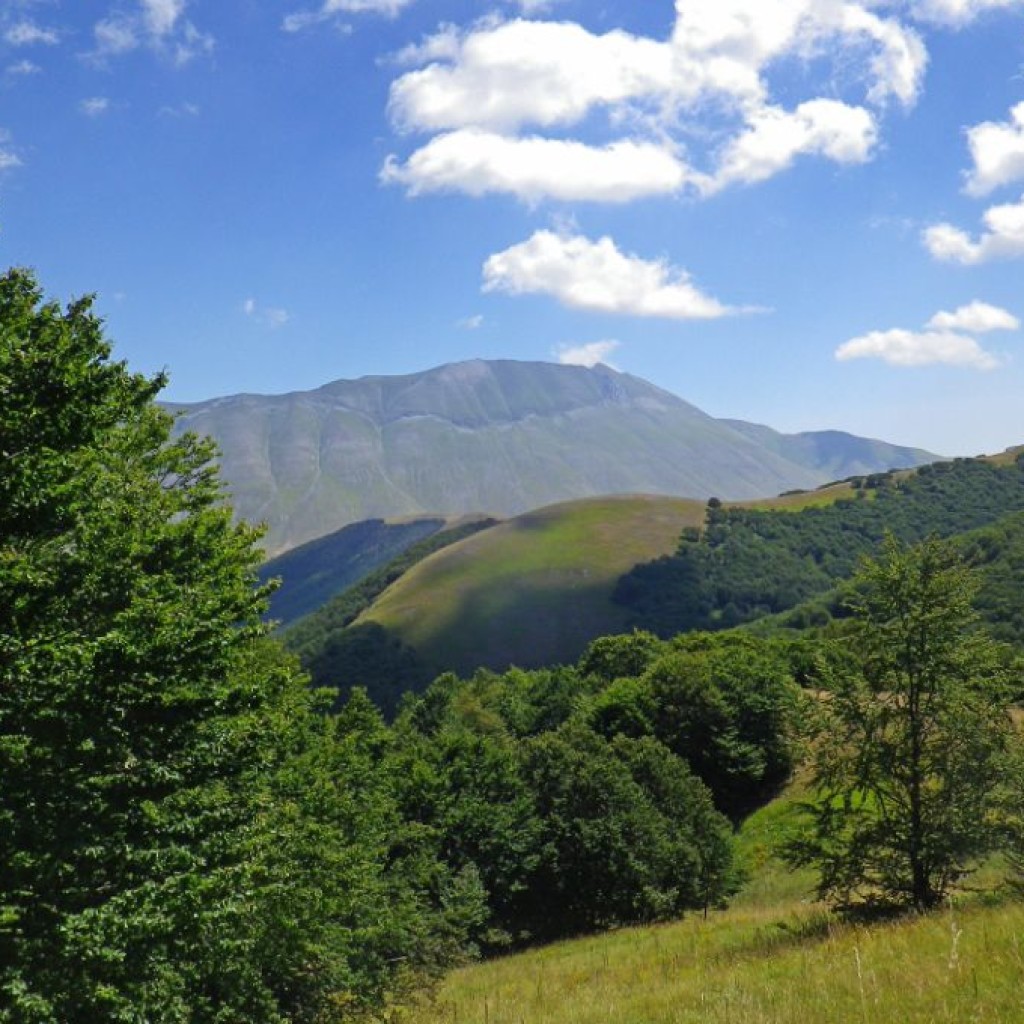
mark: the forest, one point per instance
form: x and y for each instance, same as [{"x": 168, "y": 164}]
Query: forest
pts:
[{"x": 192, "y": 832}]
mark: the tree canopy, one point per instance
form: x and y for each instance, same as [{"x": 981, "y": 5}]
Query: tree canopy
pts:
[{"x": 181, "y": 838}]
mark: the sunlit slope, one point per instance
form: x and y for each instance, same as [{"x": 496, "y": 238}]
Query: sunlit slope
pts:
[
  {"x": 533, "y": 590},
  {"x": 773, "y": 957}
]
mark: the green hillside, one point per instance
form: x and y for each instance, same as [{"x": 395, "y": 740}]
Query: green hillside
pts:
[
  {"x": 749, "y": 562},
  {"x": 536, "y": 589},
  {"x": 774, "y": 957},
  {"x": 533, "y": 590}
]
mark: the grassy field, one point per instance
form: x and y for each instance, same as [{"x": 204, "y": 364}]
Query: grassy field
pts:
[
  {"x": 774, "y": 957},
  {"x": 533, "y": 590}
]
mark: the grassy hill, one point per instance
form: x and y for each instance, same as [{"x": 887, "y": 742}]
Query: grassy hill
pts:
[
  {"x": 774, "y": 957},
  {"x": 533, "y": 590}
]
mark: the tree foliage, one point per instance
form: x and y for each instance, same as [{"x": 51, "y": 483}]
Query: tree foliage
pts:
[
  {"x": 180, "y": 839},
  {"x": 909, "y": 744},
  {"x": 750, "y": 563}
]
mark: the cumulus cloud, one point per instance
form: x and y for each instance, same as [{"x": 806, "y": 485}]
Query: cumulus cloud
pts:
[
  {"x": 997, "y": 150},
  {"x": 271, "y": 317},
  {"x": 159, "y": 25},
  {"x": 538, "y": 91},
  {"x": 477, "y": 162},
  {"x": 976, "y": 317},
  {"x": 943, "y": 340},
  {"x": 1002, "y": 239},
  {"x": 776, "y": 137},
  {"x": 597, "y": 276},
  {"x": 589, "y": 354},
  {"x": 471, "y": 323},
  {"x": 918, "y": 348},
  {"x": 94, "y": 106},
  {"x": 28, "y": 33},
  {"x": 516, "y": 73}
]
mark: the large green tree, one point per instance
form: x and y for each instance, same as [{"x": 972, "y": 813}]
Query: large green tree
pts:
[
  {"x": 908, "y": 745},
  {"x": 178, "y": 837}
]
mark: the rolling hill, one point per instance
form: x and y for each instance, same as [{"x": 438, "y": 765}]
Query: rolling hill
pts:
[
  {"x": 535, "y": 589},
  {"x": 499, "y": 438},
  {"x": 532, "y": 589}
]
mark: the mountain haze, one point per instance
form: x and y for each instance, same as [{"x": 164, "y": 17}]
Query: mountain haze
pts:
[{"x": 496, "y": 437}]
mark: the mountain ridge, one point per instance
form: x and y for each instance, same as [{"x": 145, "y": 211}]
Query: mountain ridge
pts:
[{"x": 490, "y": 437}]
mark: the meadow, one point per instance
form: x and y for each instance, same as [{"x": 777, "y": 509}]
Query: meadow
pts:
[{"x": 775, "y": 956}]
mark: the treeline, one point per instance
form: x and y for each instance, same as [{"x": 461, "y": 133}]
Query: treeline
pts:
[
  {"x": 749, "y": 563},
  {"x": 333, "y": 650}
]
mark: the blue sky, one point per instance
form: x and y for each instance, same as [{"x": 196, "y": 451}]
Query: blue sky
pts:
[{"x": 807, "y": 213}]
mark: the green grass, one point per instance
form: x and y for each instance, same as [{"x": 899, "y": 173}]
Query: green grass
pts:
[
  {"x": 756, "y": 966},
  {"x": 774, "y": 957},
  {"x": 798, "y": 500},
  {"x": 533, "y": 590}
]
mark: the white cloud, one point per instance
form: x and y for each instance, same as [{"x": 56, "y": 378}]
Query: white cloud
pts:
[
  {"x": 161, "y": 16},
  {"x": 957, "y": 13},
  {"x": 94, "y": 106},
  {"x": 1003, "y": 239},
  {"x": 515, "y": 73},
  {"x": 181, "y": 110},
  {"x": 997, "y": 150},
  {"x": 471, "y": 323},
  {"x": 477, "y": 162},
  {"x": 115, "y": 36},
  {"x": 597, "y": 276},
  {"x": 27, "y": 33},
  {"x": 9, "y": 158},
  {"x": 331, "y": 9},
  {"x": 943, "y": 340},
  {"x": 976, "y": 317},
  {"x": 776, "y": 137},
  {"x": 160, "y": 25},
  {"x": 271, "y": 317},
  {"x": 589, "y": 354},
  {"x": 918, "y": 348},
  {"x": 673, "y": 97}
]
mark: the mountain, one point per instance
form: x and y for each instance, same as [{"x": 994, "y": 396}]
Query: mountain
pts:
[
  {"x": 496, "y": 437},
  {"x": 833, "y": 452}
]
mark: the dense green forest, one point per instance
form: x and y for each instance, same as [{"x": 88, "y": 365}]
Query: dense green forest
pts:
[
  {"x": 192, "y": 833},
  {"x": 748, "y": 563}
]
